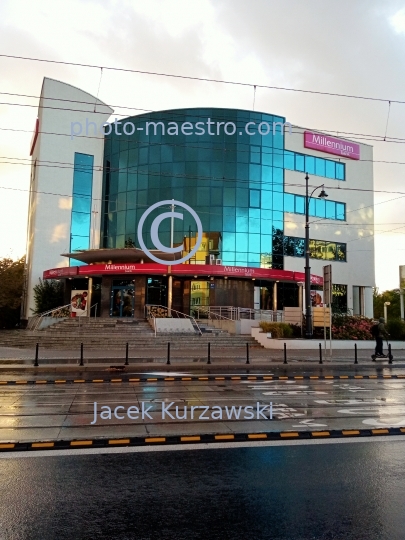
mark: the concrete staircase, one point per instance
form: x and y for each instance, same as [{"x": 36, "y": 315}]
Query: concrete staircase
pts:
[{"x": 112, "y": 334}]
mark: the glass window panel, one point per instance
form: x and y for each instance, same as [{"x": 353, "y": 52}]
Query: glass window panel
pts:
[
  {"x": 267, "y": 157},
  {"x": 80, "y": 225},
  {"x": 255, "y": 154},
  {"x": 278, "y": 179},
  {"x": 121, "y": 201},
  {"x": 121, "y": 222},
  {"x": 241, "y": 223},
  {"x": 330, "y": 169},
  {"x": 132, "y": 181},
  {"x": 228, "y": 242},
  {"x": 254, "y": 244},
  {"x": 241, "y": 239},
  {"x": 299, "y": 247},
  {"x": 278, "y": 160},
  {"x": 299, "y": 163},
  {"x": 299, "y": 204},
  {"x": 341, "y": 211},
  {"x": 254, "y": 172},
  {"x": 340, "y": 171},
  {"x": 203, "y": 195},
  {"x": 267, "y": 199},
  {"x": 330, "y": 209},
  {"x": 130, "y": 222},
  {"x": 254, "y": 220},
  {"x": 289, "y": 202},
  {"x": 216, "y": 196},
  {"x": 242, "y": 197},
  {"x": 267, "y": 175},
  {"x": 229, "y": 196},
  {"x": 80, "y": 204},
  {"x": 319, "y": 167},
  {"x": 288, "y": 246},
  {"x": 289, "y": 160},
  {"x": 131, "y": 199},
  {"x": 242, "y": 171},
  {"x": 310, "y": 164},
  {"x": 278, "y": 201},
  {"x": 254, "y": 198},
  {"x": 320, "y": 208},
  {"x": 143, "y": 156},
  {"x": 265, "y": 243},
  {"x": 311, "y": 207},
  {"x": 78, "y": 243}
]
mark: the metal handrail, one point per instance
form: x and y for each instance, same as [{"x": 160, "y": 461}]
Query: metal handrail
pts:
[
  {"x": 237, "y": 313},
  {"x": 169, "y": 312},
  {"x": 209, "y": 313},
  {"x": 36, "y": 320},
  {"x": 91, "y": 307}
]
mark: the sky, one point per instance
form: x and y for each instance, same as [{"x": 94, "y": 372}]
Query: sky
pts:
[{"x": 346, "y": 47}]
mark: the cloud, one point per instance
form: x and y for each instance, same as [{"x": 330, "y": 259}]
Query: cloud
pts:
[
  {"x": 398, "y": 21},
  {"x": 59, "y": 233}
]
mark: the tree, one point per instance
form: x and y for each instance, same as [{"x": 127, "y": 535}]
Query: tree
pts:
[
  {"x": 48, "y": 294},
  {"x": 11, "y": 288},
  {"x": 394, "y": 309}
]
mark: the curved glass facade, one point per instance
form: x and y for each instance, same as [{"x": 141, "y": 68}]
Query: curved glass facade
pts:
[{"x": 227, "y": 164}]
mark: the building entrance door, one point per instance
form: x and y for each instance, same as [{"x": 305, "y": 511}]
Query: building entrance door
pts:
[{"x": 122, "y": 301}]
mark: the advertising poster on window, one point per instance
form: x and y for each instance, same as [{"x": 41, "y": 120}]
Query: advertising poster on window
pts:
[
  {"x": 317, "y": 298},
  {"x": 78, "y": 302}
]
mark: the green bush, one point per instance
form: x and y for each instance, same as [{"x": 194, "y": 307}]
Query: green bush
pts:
[
  {"x": 278, "y": 330},
  {"x": 396, "y": 329}
]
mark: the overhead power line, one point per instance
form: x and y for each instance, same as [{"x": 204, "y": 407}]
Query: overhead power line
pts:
[{"x": 202, "y": 79}]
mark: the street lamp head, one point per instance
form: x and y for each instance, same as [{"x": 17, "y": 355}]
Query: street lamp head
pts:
[{"x": 322, "y": 194}]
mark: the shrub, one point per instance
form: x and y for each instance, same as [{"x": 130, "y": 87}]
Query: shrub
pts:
[
  {"x": 278, "y": 330},
  {"x": 396, "y": 329},
  {"x": 351, "y": 327}
]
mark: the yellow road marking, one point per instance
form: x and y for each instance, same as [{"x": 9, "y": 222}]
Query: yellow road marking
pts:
[
  {"x": 320, "y": 433},
  {"x": 402, "y": 430},
  {"x": 224, "y": 437},
  {"x": 98, "y": 380},
  {"x": 314, "y": 377},
  {"x": 290, "y": 434},
  {"x": 119, "y": 441},
  {"x": 191, "y": 438},
  {"x": 379, "y": 431},
  {"x": 79, "y": 380},
  {"x": 283, "y": 378},
  {"x": 41, "y": 382},
  {"x": 155, "y": 439},
  {"x": 267, "y": 378},
  {"x": 186, "y": 378},
  {"x": 133, "y": 380},
  {"x": 81, "y": 443},
  {"x": 252, "y": 378},
  {"x": 219, "y": 378},
  {"x": 203, "y": 378},
  {"x": 151, "y": 379},
  {"x": 3, "y": 382},
  {"x": 169, "y": 378},
  {"x": 236, "y": 378},
  {"x": 329, "y": 377},
  {"x": 298, "y": 377},
  {"x": 116, "y": 380},
  {"x": 343, "y": 376},
  {"x": 387, "y": 376},
  {"x": 350, "y": 432},
  {"x": 7, "y": 445},
  {"x": 358, "y": 376},
  {"x": 372, "y": 376},
  {"x": 60, "y": 381},
  {"x": 21, "y": 382},
  {"x": 42, "y": 445},
  {"x": 257, "y": 436}
]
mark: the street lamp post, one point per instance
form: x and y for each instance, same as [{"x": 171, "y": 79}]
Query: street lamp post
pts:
[
  {"x": 386, "y": 304},
  {"x": 308, "y": 308}
]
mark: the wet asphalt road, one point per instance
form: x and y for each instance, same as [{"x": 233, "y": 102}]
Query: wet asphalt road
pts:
[
  {"x": 38, "y": 412},
  {"x": 318, "y": 492}
]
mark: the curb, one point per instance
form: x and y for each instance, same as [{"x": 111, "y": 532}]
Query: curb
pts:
[
  {"x": 201, "y": 378},
  {"x": 187, "y": 439}
]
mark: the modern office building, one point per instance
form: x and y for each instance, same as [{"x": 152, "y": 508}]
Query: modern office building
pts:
[{"x": 241, "y": 172}]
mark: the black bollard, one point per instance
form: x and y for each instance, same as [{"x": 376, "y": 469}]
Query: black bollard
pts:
[
  {"x": 285, "y": 354},
  {"x": 36, "y": 355},
  {"x": 81, "y": 355},
  {"x": 168, "y": 354},
  {"x": 247, "y": 353},
  {"x": 209, "y": 354},
  {"x": 390, "y": 357},
  {"x": 320, "y": 353},
  {"x": 355, "y": 353},
  {"x": 126, "y": 355}
]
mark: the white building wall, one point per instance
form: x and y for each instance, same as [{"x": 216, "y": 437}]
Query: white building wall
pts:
[
  {"x": 50, "y": 203},
  {"x": 358, "y": 229}
]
